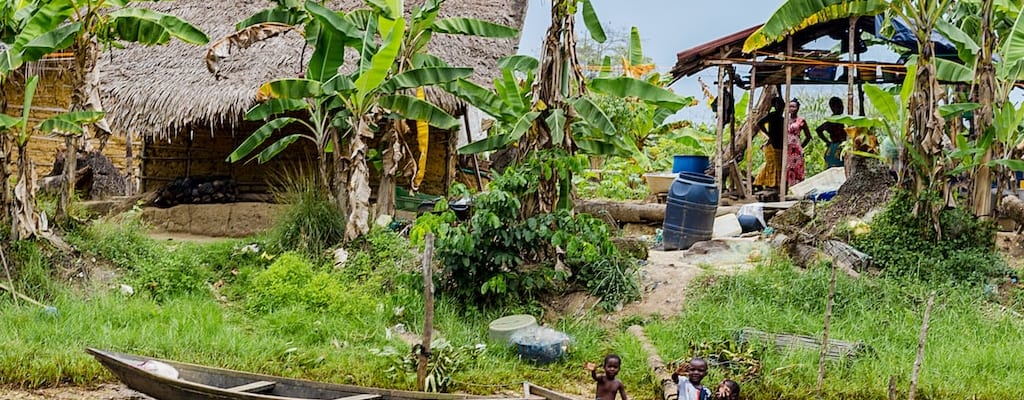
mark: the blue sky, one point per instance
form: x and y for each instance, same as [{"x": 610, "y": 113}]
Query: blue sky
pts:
[{"x": 666, "y": 28}]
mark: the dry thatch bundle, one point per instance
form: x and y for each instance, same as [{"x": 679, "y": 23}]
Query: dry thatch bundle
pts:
[{"x": 159, "y": 91}]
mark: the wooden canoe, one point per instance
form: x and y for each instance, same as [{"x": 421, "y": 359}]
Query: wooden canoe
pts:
[{"x": 196, "y": 382}]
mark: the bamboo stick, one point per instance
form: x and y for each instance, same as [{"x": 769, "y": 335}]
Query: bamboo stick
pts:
[
  {"x": 720, "y": 128},
  {"x": 786, "y": 121},
  {"x": 920, "y": 347},
  {"x": 824, "y": 334},
  {"x": 7, "y": 270},
  {"x": 428, "y": 320}
]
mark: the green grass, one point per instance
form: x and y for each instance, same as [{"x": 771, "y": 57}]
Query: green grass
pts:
[
  {"x": 973, "y": 349},
  {"x": 311, "y": 339},
  {"x": 970, "y": 351}
]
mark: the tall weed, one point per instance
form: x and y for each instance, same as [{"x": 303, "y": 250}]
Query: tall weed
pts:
[{"x": 310, "y": 225}]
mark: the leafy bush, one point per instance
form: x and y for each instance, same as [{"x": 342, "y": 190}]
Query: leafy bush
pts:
[
  {"x": 382, "y": 257},
  {"x": 310, "y": 225},
  {"x": 179, "y": 270},
  {"x": 906, "y": 245},
  {"x": 291, "y": 281},
  {"x": 31, "y": 268},
  {"x": 121, "y": 240},
  {"x": 498, "y": 256}
]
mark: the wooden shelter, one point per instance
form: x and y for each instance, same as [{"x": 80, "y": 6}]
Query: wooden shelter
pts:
[
  {"x": 189, "y": 120},
  {"x": 775, "y": 69}
]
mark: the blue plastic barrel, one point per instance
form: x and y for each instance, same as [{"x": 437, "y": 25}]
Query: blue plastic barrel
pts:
[
  {"x": 689, "y": 163},
  {"x": 690, "y": 213}
]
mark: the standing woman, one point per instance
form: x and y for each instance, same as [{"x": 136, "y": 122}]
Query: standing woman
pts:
[
  {"x": 771, "y": 126},
  {"x": 795, "y": 157}
]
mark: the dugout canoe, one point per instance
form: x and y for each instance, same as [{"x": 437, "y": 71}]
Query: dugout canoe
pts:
[{"x": 183, "y": 381}]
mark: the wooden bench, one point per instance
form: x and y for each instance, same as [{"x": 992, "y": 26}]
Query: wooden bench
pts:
[
  {"x": 253, "y": 387},
  {"x": 361, "y": 397}
]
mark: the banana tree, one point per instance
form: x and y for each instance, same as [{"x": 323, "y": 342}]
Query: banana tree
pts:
[
  {"x": 582, "y": 121},
  {"x": 86, "y": 26},
  {"x": 24, "y": 219},
  {"x": 924, "y": 137},
  {"x": 355, "y": 107}
]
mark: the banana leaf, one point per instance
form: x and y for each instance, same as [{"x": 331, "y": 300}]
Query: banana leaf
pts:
[
  {"x": 70, "y": 123},
  {"x": 257, "y": 138},
  {"x": 645, "y": 91},
  {"x": 293, "y": 88},
  {"x": 381, "y": 63},
  {"x": 168, "y": 24},
  {"x": 519, "y": 62},
  {"x": 273, "y": 107},
  {"x": 593, "y": 23},
  {"x": 277, "y": 147},
  {"x": 415, "y": 109},
  {"x": 473, "y": 27},
  {"x": 424, "y": 77},
  {"x": 795, "y": 15}
]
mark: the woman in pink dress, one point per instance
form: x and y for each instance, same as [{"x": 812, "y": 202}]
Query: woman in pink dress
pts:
[{"x": 795, "y": 153}]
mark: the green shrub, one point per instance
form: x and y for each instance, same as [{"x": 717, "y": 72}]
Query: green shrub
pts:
[
  {"x": 499, "y": 257},
  {"x": 381, "y": 252},
  {"x": 310, "y": 225},
  {"x": 180, "y": 270},
  {"x": 291, "y": 281},
  {"x": 121, "y": 240},
  {"x": 31, "y": 269},
  {"x": 905, "y": 245}
]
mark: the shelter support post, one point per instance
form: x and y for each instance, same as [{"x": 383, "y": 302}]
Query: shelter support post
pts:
[
  {"x": 850, "y": 69},
  {"x": 720, "y": 128},
  {"x": 752, "y": 123},
  {"x": 786, "y": 121}
]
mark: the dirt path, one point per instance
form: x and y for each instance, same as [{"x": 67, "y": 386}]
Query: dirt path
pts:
[{"x": 668, "y": 274}]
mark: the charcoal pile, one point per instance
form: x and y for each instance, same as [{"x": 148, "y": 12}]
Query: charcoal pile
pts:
[
  {"x": 197, "y": 190},
  {"x": 96, "y": 176}
]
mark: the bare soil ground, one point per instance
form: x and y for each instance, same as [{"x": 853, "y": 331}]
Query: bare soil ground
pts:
[{"x": 102, "y": 392}]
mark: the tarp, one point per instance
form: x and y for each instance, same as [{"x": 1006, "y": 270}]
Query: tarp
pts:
[{"x": 904, "y": 37}]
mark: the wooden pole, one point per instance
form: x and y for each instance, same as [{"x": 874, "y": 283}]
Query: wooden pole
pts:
[
  {"x": 720, "y": 128},
  {"x": 749, "y": 190},
  {"x": 428, "y": 319},
  {"x": 824, "y": 334},
  {"x": 850, "y": 69},
  {"x": 785, "y": 119},
  {"x": 7, "y": 270},
  {"x": 732, "y": 118},
  {"x": 920, "y": 347}
]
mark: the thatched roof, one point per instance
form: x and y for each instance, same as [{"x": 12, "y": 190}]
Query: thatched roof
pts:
[{"x": 157, "y": 91}]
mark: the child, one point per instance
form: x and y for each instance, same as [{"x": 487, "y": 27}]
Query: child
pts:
[
  {"x": 607, "y": 385},
  {"x": 691, "y": 388},
  {"x": 728, "y": 390}
]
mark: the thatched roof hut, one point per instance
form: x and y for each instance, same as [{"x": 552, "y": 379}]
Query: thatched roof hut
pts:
[{"x": 159, "y": 91}]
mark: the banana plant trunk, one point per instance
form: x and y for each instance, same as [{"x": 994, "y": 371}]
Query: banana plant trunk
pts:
[
  {"x": 559, "y": 74},
  {"x": 985, "y": 79},
  {"x": 926, "y": 127},
  {"x": 358, "y": 185},
  {"x": 392, "y": 158},
  {"x": 23, "y": 215},
  {"x": 83, "y": 83},
  {"x": 338, "y": 183},
  {"x": 5, "y": 164}
]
